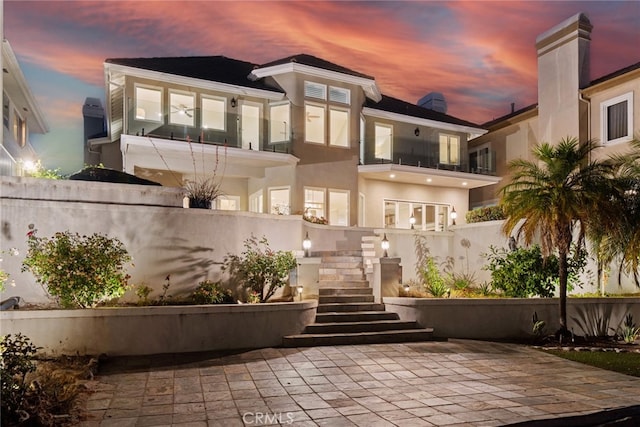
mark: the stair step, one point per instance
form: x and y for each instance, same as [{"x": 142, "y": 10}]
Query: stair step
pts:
[
  {"x": 366, "y": 326},
  {"x": 345, "y": 291},
  {"x": 342, "y": 277},
  {"x": 359, "y": 316},
  {"x": 343, "y": 283},
  {"x": 344, "y": 299},
  {"x": 351, "y": 307},
  {"x": 333, "y": 258},
  {"x": 341, "y": 265},
  {"x": 405, "y": 335},
  {"x": 341, "y": 271}
]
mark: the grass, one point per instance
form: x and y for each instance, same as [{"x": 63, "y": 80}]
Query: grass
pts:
[{"x": 625, "y": 363}]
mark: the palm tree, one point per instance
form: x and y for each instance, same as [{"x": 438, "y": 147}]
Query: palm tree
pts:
[{"x": 553, "y": 197}]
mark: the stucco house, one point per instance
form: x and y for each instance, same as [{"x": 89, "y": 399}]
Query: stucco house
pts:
[
  {"x": 570, "y": 104},
  {"x": 296, "y": 135},
  {"x": 21, "y": 116}
]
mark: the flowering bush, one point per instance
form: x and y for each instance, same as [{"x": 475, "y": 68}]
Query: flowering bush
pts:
[
  {"x": 314, "y": 219},
  {"x": 79, "y": 271},
  {"x": 209, "y": 292},
  {"x": 488, "y": 213},
  {"x": 259, "y": 268}
]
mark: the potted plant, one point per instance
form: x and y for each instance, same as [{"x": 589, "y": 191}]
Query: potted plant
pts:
[{"x": 202, "y": 192}]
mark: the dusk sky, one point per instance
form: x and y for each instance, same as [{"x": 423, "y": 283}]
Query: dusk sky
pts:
[{"x": 480, "y": 55}]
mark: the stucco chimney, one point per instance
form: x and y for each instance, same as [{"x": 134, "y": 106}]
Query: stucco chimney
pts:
[{"x": 563, "y": 69}]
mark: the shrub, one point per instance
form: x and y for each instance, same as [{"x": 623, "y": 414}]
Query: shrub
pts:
[
  {"x": 79, "y": 271},
  {"x": 209, "y": 292},
  {"x": 259, "y": 268},
  {"x": 428, "y": 271},
  {"x": 523, "y": 272},
  {"x": 16, "y": 361},
  {"x": 628, "y": 331},
  {"x": 487, "y": 213}
]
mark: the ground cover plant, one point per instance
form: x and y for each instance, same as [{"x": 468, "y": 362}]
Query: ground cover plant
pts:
[{"x": 625, "y": 363}]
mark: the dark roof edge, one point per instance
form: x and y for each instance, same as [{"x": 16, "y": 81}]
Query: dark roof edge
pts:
[
  {"x": 614, "y": 74},
  {"x": 510, "y": 115}
]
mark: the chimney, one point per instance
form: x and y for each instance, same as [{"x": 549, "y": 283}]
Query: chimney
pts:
[{"x": 563, "y": 69}]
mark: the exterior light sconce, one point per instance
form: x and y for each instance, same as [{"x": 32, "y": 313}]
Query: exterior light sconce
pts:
[
  {"x": 385, "y": 245},
  {"x": 299, "y": 290},
  {"x": 306, "y": 244},
  {"x": 454, "y": 215},
  {"x": 406, "y": 288},
  {"x": 412, "y": 220},
  {"x": 417, "y": 132},
  {"x": 234, "y": 102}
]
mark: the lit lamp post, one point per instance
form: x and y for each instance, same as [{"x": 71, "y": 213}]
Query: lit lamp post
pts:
[
  {"x": 454, "y": 215},
  {"x": 385, "y": 245},
  {"x": 300, "y": 292},
  {"x": 306, "y": 244},
  {"x": 412, "y": 220}
]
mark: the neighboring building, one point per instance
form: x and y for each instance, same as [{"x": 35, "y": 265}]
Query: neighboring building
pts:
[
  {"x": 95, "y": 129},
  {"x": 570, "y": 104},
  {"x": 21, "y": 117},
  {"x": 296, "y": 135}
]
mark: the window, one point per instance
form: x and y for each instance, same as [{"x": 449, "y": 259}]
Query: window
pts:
[
  {"x": 213, "y": 113},
  {"x": 338, "y": 128},
  {"x": 384, "y": 136},
  {"x": 617, "y": 119},
  {"x": 361, "y": 210},
  {"x": 279, "y": 119},
  {"x": 19, "y": 129},
  {"x": 314, "y": 123},
  {"x": 481, "y": 161},
  {"x": 5, "y": 110},
  {"x": 315, "y": 90},
  {"x": 250, "y": 125},
  {"x": 182, "y": 109},
  {"x": 279, "y": 201},
  {"x": 427, "y": 216},
  {"x": 314, "y": 202},
  {"x": 449, "y": 149},
  {"x": 228, "y": 203},
  {"x": 339, "y": 207},
  {"x": 148, "y": 104},
  {"x": 341, "y": 95},
  {"x": 362, "y": 136},
  {"x": 255, "y": 202}
]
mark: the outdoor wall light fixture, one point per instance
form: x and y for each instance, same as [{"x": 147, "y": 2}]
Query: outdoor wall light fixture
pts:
[
  {"x": 385, "y": 245},
  {"x": 454, "y": 215},
  {"x": 299, "y": 289},
  {"x": 234, "y": 102},
  {"x": 412, "y": 220},
  {"x": 306, "y": 244},
  {"x": 406, "y": 288},
  {"x": 417, "y": 132}
]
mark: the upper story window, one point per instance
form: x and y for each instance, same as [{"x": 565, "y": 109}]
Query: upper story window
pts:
[
  {"x": 339, "y": 94},
  {"x": 315, "y": 90},
  {"x": 182, "y": 108},
  {"x": 279, "y": 122},
  {"x": 384, "y": 137},
  {"x": 19, "y": 129},
  {"x": 148, "y": 104},
  {"x": 482, "y": 161},
  {"x": 322, "y": 120},
  {"x": 214, "y": 113},
  {"x": 617, "y": 119},
  {"x": 449, "y": 149}
]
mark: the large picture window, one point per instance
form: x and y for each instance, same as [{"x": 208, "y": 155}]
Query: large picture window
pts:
[
  {"x": 148, "y": 104},
  {"x": 279, "y": 122},
  {"x": 384, "y": 136},
  {"x": 338, "y": 128},
  {"x": 339, "y": 207},
  {"x": 617, "y": 119},
  {"x": 449, "y": 149},
  {"x": 279, "y": 201},
  {"x": 182, "y": 109},
  {"x": 314, "y": 123},
  {"x": 213, "y": 113},
  {"x": 314, "y": 202}
]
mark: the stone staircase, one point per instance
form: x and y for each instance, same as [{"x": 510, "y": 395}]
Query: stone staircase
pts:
[{"x": 347, "y": 312}]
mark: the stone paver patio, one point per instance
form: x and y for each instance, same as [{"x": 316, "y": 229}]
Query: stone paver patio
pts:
[{"x": 414, "y": 384}]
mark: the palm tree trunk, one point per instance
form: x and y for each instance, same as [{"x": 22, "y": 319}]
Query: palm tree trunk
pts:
[{"x": 563, "y": 273}]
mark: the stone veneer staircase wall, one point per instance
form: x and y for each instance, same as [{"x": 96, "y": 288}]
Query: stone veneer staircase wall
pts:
[{"x": 347, "y": 312}]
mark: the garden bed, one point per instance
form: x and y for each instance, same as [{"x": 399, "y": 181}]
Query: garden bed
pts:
[{"x": 119, "y": 331}]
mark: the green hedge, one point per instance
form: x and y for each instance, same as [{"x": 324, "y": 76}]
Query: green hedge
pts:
[{"x": 487, "y": 213}]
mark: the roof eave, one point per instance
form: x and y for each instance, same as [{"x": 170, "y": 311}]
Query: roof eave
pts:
[
  {"x": 368, "y": 85},
  {"x": 474, "y": 132}
]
